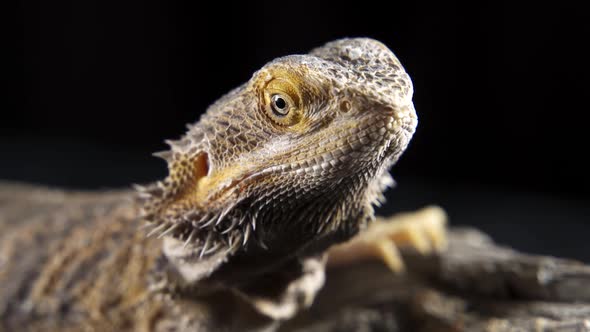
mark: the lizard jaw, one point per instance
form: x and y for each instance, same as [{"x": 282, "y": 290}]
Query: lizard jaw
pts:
[{"x": 200, "y": 199}]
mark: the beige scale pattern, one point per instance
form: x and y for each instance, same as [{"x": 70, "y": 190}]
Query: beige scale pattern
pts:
[{"x": 272, "y": 175}]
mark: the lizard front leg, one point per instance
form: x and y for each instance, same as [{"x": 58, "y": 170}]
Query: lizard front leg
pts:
[{"x": 423, "y": 230}]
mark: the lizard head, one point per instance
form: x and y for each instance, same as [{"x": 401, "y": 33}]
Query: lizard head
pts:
[{"x": 299, "y": 151}]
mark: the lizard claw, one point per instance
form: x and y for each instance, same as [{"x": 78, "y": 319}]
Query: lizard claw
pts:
[{"x": 423, "y": 230}]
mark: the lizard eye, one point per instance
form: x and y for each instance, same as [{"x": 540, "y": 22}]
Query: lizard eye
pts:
[{"x": 279, "y": 104}]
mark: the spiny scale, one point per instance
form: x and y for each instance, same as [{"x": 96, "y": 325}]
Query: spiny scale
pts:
[
  {"x": 320, "y": 175},
  {"x": 271, "y": 184}
]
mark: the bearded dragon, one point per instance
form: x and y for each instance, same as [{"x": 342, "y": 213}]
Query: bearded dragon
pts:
[{"x": 272, "y": 175}]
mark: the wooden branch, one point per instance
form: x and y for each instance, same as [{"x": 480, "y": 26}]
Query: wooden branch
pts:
[{"x": 474, "y": 286}]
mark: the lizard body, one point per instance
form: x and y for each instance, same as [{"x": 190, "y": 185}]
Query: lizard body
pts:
[{"x": 273, "y": 174}]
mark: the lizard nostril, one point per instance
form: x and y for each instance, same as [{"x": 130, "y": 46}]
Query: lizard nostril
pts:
[{"x": 345, "y": 106}]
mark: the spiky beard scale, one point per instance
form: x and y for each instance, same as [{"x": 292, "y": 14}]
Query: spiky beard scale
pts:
[{"x": 207, "y": 232}]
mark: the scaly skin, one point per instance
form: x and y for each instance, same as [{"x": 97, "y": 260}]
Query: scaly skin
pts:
[{"x": 273, "y": 174}]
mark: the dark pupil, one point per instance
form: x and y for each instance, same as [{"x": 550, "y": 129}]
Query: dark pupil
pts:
[{"x": 280, "y": 103}]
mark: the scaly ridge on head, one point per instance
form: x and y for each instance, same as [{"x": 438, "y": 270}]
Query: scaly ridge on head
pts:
[{"x": 299, "y": 151}]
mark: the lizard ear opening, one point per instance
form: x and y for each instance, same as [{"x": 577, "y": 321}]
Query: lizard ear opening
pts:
[
  {"x": 185, "y": 174},
  {"x": 201, "y": 165}
]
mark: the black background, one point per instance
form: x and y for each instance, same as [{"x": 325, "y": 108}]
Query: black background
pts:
[{"x": 501, "y": 90}]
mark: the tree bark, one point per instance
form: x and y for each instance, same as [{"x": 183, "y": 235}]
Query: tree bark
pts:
[{"x": 475, "y": 285}]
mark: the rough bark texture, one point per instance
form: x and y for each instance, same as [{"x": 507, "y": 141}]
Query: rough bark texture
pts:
[{"x": 474, "y": 286}]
